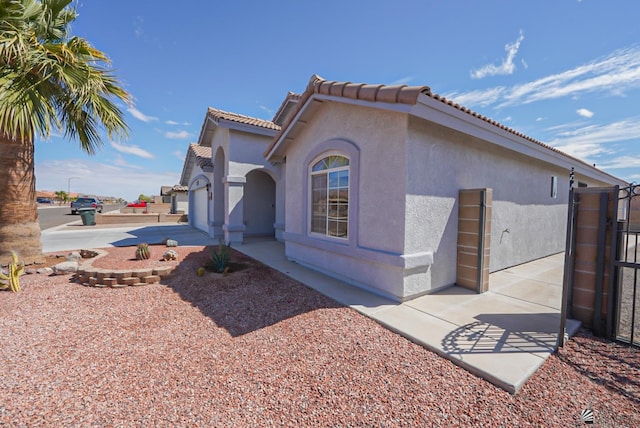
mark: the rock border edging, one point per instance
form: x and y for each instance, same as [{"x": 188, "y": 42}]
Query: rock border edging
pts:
[{"x": 89, "y": 276}]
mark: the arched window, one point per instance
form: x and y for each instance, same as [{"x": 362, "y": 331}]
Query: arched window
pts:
[{"x": 330, "y": 196}]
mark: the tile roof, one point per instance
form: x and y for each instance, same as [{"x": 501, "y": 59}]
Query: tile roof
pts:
[
  {"x": 399, "y": 94},
  {"x": 216, "y": 115},
  {"x": 179, "y": 188},
  {"x": 202, "y": 154},
  {"x": 287, "y": 105}
]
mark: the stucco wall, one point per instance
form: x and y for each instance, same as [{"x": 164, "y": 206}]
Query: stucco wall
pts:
[
  {"x": 527, "y": 223},
  {"x": 404, "y": 182},
  {"x": 380, "y": 196},
  {"x": 372, "y": 256}
]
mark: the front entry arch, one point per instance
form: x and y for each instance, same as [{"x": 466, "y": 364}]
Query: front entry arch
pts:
[{"x": 259, "y": 204}]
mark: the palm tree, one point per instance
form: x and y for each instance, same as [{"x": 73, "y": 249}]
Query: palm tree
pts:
[
  {"x": 49, "y": 80},
  {"x": 62, "y": 196}
]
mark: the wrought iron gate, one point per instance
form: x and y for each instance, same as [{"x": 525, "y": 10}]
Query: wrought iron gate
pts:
[{"x": 626, "y": 264}]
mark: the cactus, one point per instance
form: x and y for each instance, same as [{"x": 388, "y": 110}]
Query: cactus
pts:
[
  {"x": 201, "y": 271},
  {"x": 142, "y": 252},
  {"x": 171, "y": 243},
  {"x": 13, "y": 276},
  {"x": 221, "y": 258}
]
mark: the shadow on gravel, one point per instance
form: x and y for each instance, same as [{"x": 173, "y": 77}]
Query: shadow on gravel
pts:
[
  {"x": 247, "y": 299},
  {"x": 593, "y": 353}
]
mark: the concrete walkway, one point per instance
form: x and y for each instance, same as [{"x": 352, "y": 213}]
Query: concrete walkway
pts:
[{"x": 503, "y": 335}]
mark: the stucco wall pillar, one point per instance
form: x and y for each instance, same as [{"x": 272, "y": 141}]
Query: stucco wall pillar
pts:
[{"x": 233, "y": 203}]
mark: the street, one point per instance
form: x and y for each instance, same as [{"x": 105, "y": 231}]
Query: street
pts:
[{"x": 51, "y": 216}]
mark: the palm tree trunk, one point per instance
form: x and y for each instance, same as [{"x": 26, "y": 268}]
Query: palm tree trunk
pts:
[{"x": 19, "y": 226}]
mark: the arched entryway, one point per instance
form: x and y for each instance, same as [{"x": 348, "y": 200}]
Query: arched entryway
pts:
[{"x": 259, "y": 204}]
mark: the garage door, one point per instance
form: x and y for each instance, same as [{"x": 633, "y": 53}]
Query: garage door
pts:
[{"x": 199, "y": 210}]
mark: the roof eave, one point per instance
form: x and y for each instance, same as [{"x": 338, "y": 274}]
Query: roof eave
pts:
[
  {"x": 244, "y": 127},
  {"x": 275, "y": 152},
  {"x": 434, "y": 110}
]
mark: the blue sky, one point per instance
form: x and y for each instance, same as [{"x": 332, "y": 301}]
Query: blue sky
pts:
[{"x": 565, "y": 72}]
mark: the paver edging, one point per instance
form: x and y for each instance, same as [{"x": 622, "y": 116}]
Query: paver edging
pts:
[{"x": 89, "y": 276}]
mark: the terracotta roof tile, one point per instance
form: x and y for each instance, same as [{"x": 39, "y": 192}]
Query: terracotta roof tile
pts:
[
  {"x": 215, "y": 115},
  {"x": 399, "y": 94},
  {"x": 202, "y": 154}
]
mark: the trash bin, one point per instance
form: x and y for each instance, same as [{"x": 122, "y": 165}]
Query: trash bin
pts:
[{"x": 88, "y": 216}]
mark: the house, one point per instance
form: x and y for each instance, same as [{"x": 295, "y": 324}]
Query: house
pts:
[
  {"x": 232, "y": 187},
  {"x": 393, "y": 188},
  {"x": 177, "y": 196}
]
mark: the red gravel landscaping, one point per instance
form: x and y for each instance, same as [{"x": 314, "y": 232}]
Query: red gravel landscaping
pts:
[{"x": 256, "y": 348}]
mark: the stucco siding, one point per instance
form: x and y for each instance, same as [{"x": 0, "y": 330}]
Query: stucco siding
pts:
[
  {"x": 527, "y": 222},
  {"x": 379, "y": 139},
  {"x": 375, "y": 141}
]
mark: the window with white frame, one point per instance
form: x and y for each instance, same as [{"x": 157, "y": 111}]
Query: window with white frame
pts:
[{"x": 330, "y": 196}]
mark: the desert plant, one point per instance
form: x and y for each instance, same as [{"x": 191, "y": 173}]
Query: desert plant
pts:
[
  {"x": 13, "y": 276},
  {"x": 142, "y": 252},
  {"x": 220, "y": 258}
]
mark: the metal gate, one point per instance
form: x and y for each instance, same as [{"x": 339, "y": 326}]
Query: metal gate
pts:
[
  {"x": 602, "y": 260},
  {"x": 626, "y": 263}
]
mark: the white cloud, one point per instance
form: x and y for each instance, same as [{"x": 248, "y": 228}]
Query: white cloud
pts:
[
  {"x": 615, "y": 74},
  {"x": 403, "y": 80},
  {"x": 584, "y": 112},
  {"x": 120, "y": 161},
  {"x": 174, "y": 123},
  {"x": 507, "y": 67},
  {"x": 180, "y": 135},
  {"x": 267, "y": 110},
  {"x": 587, "y": 141},
  {"x": 483, "y": 97},
  {"x": 141, "y": 116},
  {"x": 622, "y": 162},
  {"x": 180, "y": 155},
  {"x": 132, "y": 150},
  {"x": 137, "y": 26}
]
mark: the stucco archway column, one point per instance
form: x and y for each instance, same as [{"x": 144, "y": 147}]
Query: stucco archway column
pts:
[{"x": 233, "y": 203}]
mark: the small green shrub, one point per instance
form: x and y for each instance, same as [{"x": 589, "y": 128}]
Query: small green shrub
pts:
[{"x": 220, "y": 257}]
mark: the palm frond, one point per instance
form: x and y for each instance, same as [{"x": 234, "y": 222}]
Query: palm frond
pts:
[{"x": 49, "y": 80}]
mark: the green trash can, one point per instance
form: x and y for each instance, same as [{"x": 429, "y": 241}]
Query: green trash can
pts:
[{"x": 88, "y": 216}]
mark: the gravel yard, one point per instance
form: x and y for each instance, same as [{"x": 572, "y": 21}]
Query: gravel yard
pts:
[{"x": 256, "y": 348}]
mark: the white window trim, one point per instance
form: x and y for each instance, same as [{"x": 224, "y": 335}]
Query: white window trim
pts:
[{"x": 309, "y": 202}]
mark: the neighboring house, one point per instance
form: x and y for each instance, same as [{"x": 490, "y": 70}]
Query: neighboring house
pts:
[
  {"x": 178, "y": 198},
  {"x": 365, "y": 183}
]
